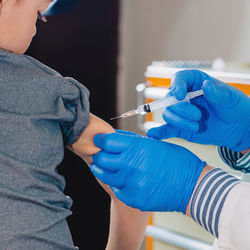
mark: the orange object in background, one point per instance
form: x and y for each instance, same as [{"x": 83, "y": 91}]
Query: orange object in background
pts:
[
  {"x": 149, "y": 240},
  {"x": 165, "y": 83},
  {"x": 160, "y": 76}
]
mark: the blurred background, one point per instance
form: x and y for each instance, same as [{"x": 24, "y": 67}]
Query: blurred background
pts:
[
  {"x": 177, "y": 30},
  {"x": 107, "y": 46}
]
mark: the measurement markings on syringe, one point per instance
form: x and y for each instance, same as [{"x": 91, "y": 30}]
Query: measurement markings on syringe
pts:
[{"x": 146, "y": 108}]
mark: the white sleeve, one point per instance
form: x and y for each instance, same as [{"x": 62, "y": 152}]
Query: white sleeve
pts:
[
  {"x": 234, "y": 223},
  {"x": 208, "y": 198},
  {"x": 220, "y": 203}
]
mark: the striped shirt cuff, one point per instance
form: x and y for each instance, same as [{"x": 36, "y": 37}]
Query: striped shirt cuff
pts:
[
  {"x": 208, "y": 198},
  {"x": 235, "y": 160}
]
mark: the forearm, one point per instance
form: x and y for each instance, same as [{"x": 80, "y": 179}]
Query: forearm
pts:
[
  {"x": 208, "y": 198},
  {"x": 205, "y": 170},
  {"x": 127, "y": 227}
]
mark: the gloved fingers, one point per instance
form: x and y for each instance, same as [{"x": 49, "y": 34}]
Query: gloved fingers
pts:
[
  {"x": 186, "y": 110},
  {"x": 167, "y": 131},
  {"x": 119, "y": 195},
  {"x": 112, "y": 179},
  {"x": 116, "y": 191},
  {"x": 107, "y": 161},
  {"x": 221, "y": 94},
  {"x": 184, "y": 80},
  {"x": 162, "y": 132},
  {"x": 179, "y": 85},
  {"x": 187, "y": 80},
  {"x": 179, "y": 122},
  {"x": 229, "y": 103},
  {"x": 113, "y": 142}
]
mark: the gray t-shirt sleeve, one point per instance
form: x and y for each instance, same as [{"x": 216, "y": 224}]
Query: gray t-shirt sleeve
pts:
[
  {"x": 35, "y": 101},
  {"x": 74, "y": 96},
  {"x": 77, "y": 103}
]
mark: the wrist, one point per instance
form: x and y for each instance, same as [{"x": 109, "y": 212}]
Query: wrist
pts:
[
  {"x": 208, "y": 198},
  {"x": 245, "y": 151},
  {"x": 205, "y": 170}
]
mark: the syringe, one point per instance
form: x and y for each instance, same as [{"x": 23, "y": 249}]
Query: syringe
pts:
[{"x": 156, "y": 105}]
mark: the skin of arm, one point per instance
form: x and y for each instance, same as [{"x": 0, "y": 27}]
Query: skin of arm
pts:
[
  {"x": 127, "y": 225},
  {"x": 245, "y": 151}
]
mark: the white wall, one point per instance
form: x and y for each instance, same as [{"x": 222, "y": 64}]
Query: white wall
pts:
[{"x": 153, "y": 30}]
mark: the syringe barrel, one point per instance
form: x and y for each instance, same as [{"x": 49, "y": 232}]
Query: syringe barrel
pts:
[{"x": 165, "y": 102}]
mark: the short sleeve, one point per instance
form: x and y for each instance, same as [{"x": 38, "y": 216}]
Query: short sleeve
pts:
[
  {"x": 76, "y": 103},
  {"x": 235, "y": 160},
  {"x": 41, "y": 111}
]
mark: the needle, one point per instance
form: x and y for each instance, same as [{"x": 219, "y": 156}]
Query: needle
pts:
[
  {"x": 125, "y": 115},
  {"x": 114, "y": 118}
]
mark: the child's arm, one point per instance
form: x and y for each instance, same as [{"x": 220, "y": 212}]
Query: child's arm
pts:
[{"x": 127, "y": 225}]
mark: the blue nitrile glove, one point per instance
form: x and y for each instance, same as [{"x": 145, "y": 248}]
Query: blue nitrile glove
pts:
[
  {"x": 145, "y": 173},
  {"x": 221, "y": 117}
]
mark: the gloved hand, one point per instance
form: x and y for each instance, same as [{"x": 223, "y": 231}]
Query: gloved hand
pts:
[
  {"x": 221, "y": 117},
  {"x": 145, "y": 173}
]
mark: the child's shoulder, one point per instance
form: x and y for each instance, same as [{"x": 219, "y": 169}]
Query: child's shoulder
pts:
[
  {"x": 32, "y": 84},
  {"x": 40, "y": 67},
  {"x": 28, "y": 82},
  {"x": 24, "y": 65}
]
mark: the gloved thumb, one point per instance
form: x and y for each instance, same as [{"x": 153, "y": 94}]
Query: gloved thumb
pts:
[{"x": 220, "y": 94}]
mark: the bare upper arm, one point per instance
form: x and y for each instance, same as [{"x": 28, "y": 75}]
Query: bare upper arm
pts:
[{"x": 84, "y": 146}]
